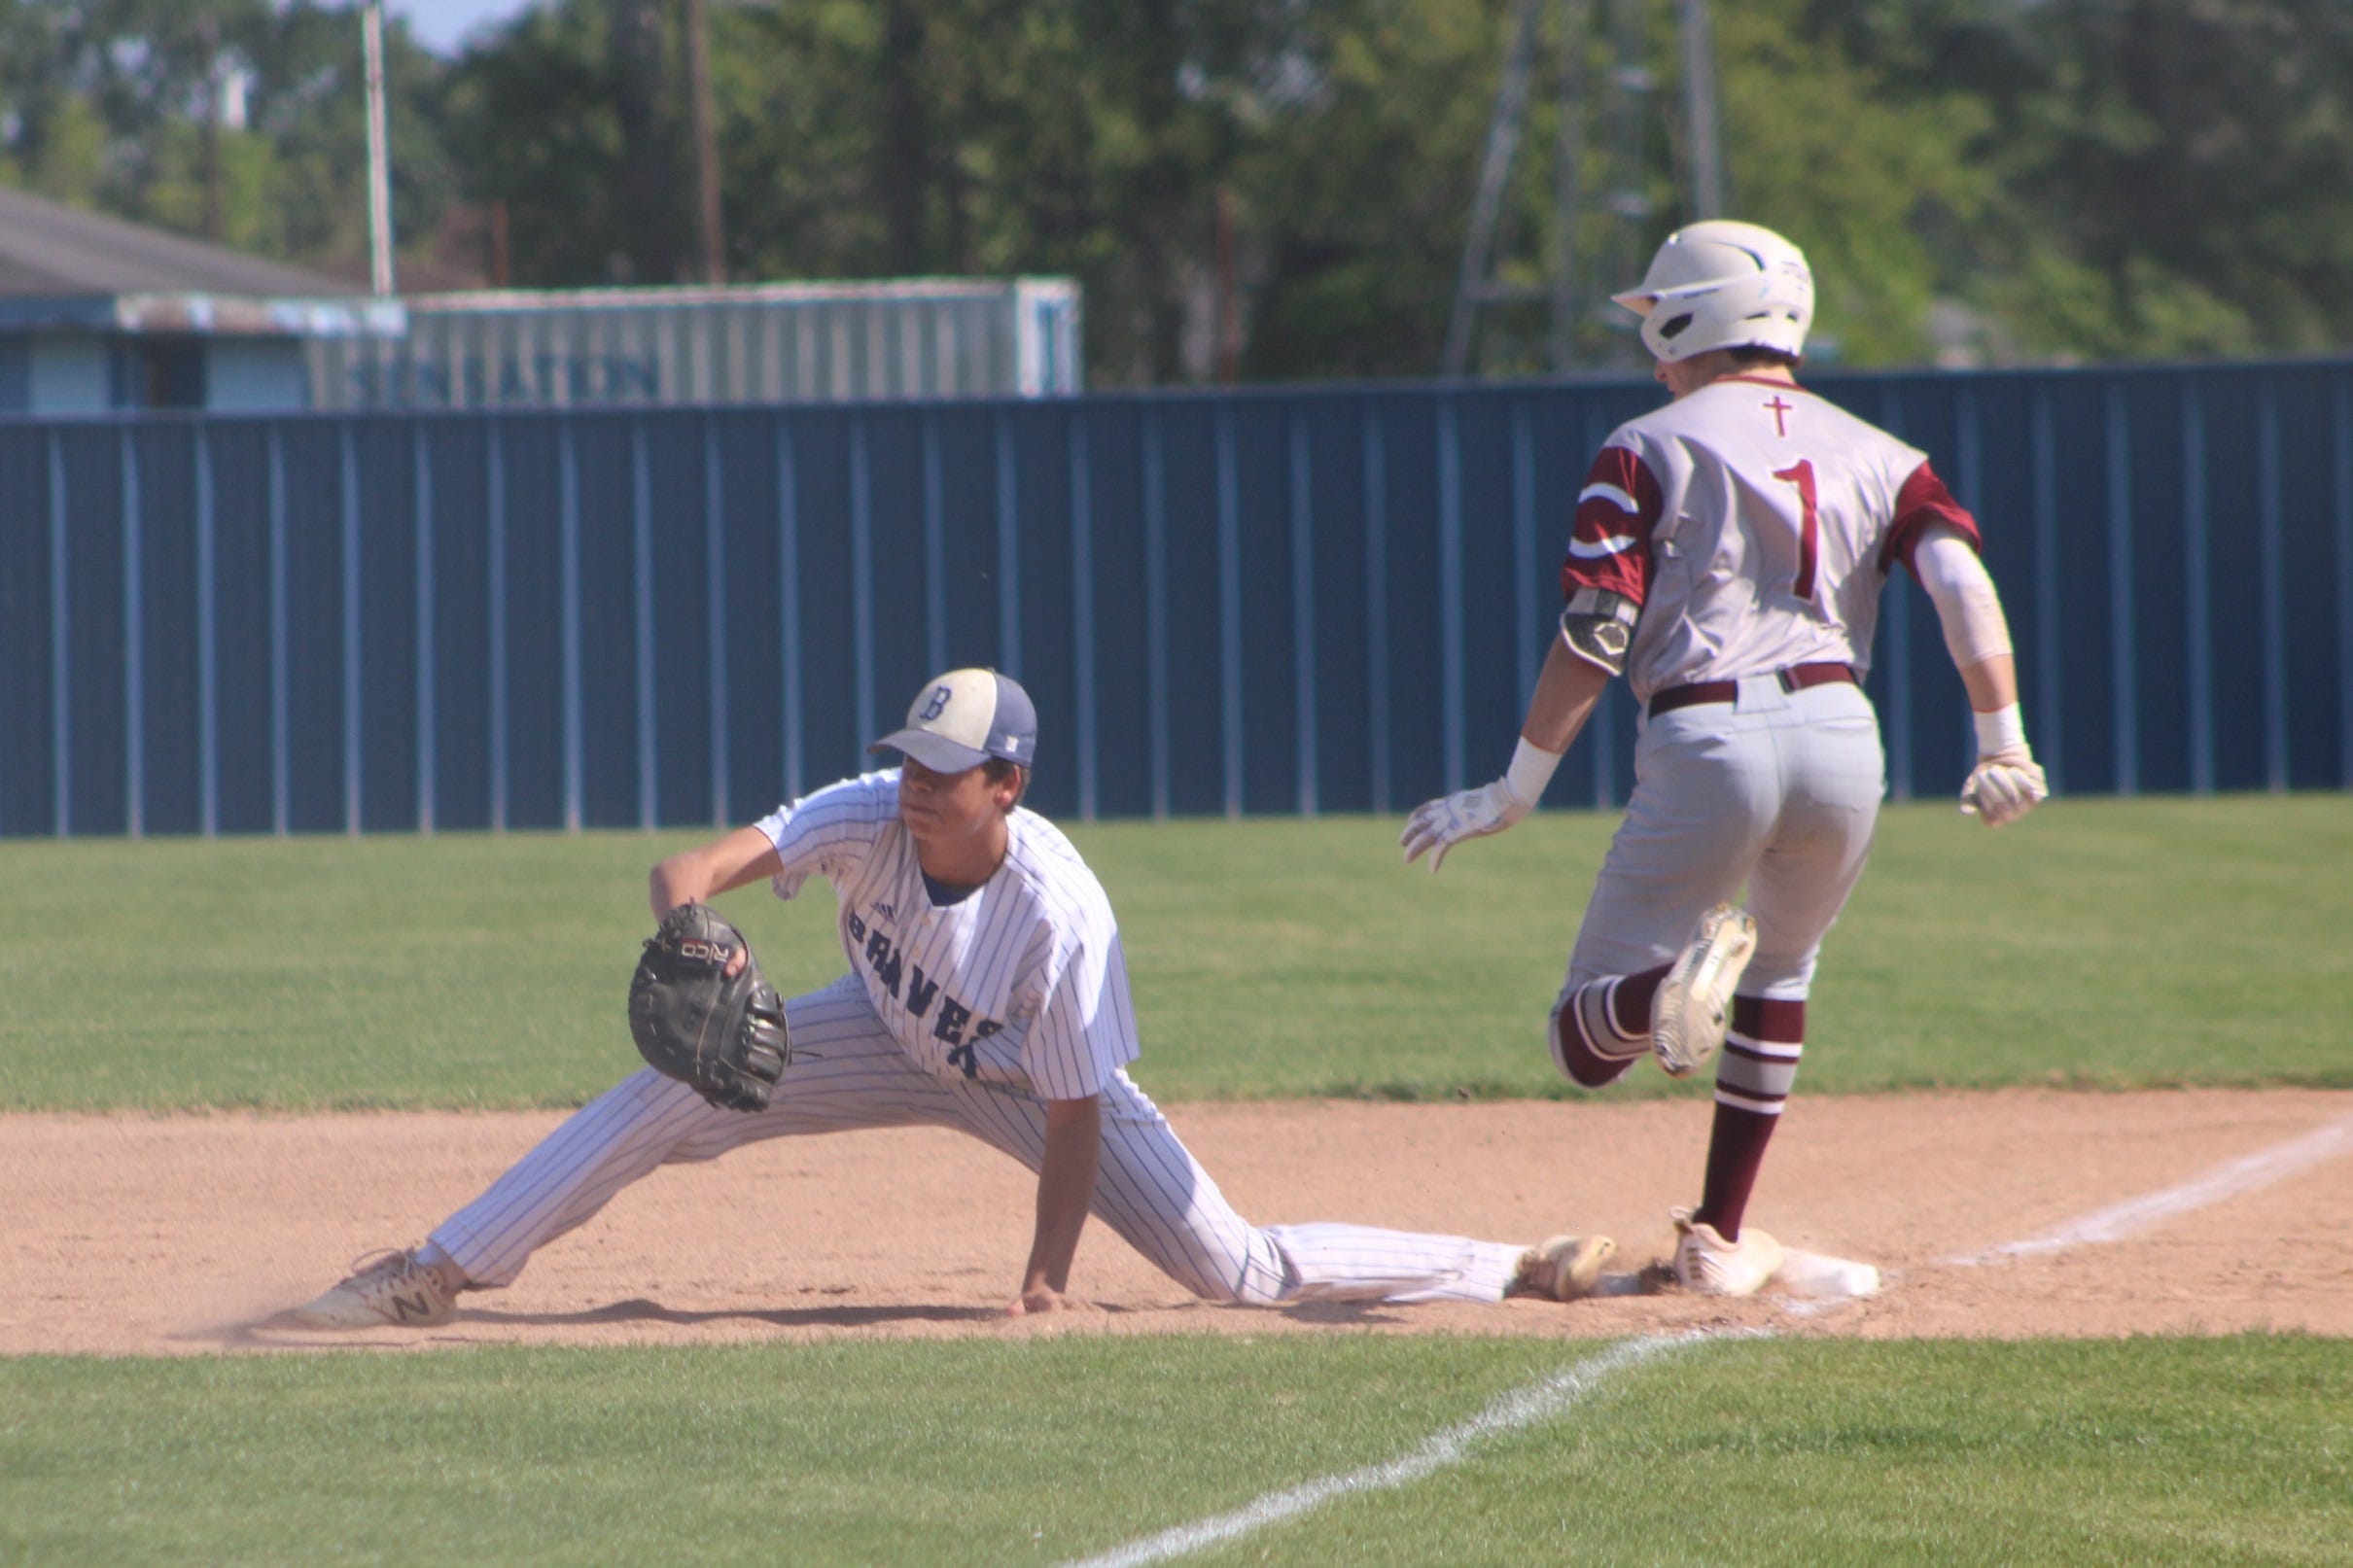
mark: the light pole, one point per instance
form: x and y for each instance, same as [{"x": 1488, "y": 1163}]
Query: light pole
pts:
[{"x": 379, "y": 170}]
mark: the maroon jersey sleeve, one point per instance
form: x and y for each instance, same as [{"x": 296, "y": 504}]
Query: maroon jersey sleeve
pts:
[
  {"x": 1609, "y": 546},
  {"x": 1924, "y": 501}
]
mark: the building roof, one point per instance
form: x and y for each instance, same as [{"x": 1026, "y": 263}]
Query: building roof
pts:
[{"x": 51, "y": 249}]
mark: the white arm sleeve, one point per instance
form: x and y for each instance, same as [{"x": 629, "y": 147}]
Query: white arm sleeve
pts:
[{"x": 1970, "y": 610}]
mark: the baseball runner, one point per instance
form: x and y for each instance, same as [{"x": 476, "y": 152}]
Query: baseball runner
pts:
[
  {"x": 1727, "y": 556},
  {"x": 987, "y": 992}
]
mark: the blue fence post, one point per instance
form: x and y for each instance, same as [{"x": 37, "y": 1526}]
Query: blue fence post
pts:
[
  {"x": 1083, "y": 613},
  {"x": 2122, "y": 686},
  {"x": 134, "y": 642},
  {"x": 862, "y": 581},
  {"x": 60, "y": 646},
  {"x": 715, "y": 615},
  {"x": 2340, "y": 443},
  {"x": 1376, "y": 605},
  {"x": 1452, "y": 671},
  {"x": 2271, "y": 544},
  {"x": 428, "y": 703},
  {"x": 494, "y": 485},
  {"x": 935, "y": 548},
  {"x": 1008, "y": 551},
  {"x": 348, "y": 473},
  {"x": 641, "y": 545},
  {"x": 281, "y": 657},
  {"x": 1229, "y": 607},
  {"x": 2051, "y": 713},
  {"x": 1156, "y": 604},
  {"x": 568, "y": 522},
  {"x": 2197, "y": 588},
  {"x": 787, "y": 601},
  {"x": 1303, "y": 610},
  {"x": 1524, "y": 567},
  {"x": 208, "y": 680}
]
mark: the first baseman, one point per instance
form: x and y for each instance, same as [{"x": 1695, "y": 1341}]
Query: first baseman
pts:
[
  {"x": 986, "y": 992},
  {"x": 1728, "y": 556}
]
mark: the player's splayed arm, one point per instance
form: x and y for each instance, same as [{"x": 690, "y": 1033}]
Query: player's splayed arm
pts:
[
  {"x": 1572, "y": 680},
  {"x": 1604, "y": 581}
]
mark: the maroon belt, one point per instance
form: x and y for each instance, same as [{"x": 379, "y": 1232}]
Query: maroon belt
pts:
[{"x": 1797, "y": 678}]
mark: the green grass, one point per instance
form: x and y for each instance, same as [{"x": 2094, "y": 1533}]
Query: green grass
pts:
[
  {"x": 2101, "y": 943},
  {"x": 2232, "y": 1451}
]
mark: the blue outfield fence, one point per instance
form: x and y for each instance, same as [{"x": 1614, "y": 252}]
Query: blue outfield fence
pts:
[{"x": 1287, "y": 601}]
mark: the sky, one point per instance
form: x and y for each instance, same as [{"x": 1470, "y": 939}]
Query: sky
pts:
[{"x": 442, "y": 25}]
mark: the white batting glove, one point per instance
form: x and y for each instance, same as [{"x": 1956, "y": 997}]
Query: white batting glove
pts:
[
  {"x": 1438, "y": 825},
  {"x": 2001, "y": 792},
  {"x": 2007, "y": 782}
]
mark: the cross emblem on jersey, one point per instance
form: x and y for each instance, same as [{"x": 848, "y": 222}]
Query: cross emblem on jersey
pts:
[{"x": 1778, "y": 408}]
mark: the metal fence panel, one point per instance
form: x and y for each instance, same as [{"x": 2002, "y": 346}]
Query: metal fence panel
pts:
[{"x": 1290, "y": 600}]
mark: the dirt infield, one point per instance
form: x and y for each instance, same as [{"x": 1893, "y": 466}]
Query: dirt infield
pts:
[{"x": 181, "y": 1235}]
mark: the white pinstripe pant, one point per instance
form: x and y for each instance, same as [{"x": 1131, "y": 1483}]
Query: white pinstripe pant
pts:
[{"x": 1148, "y": 1188}]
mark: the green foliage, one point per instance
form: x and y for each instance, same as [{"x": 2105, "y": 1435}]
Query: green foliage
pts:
[
  {"x": 2170, "y": 173},
  {"x": 1818, "y": 147},
  {"x": 1268, "y": 958},
  {"x": 2108, "y": 179},
  {"x": 1820, "y": 1451},
  {"x": 124, "y": 106}
]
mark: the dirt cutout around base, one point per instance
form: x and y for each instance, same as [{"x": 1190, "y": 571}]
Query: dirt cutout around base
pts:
[{"x": 181, "y": 1235}]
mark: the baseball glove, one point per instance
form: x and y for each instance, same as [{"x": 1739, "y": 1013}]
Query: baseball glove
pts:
[{"x": 702, "y": 1013}]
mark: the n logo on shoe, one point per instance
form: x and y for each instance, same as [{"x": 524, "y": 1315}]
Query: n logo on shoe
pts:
[{"x": 405, "y": 1308}]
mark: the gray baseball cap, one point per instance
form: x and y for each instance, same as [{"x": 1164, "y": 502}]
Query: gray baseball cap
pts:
[{"x": 963, "y": 719}]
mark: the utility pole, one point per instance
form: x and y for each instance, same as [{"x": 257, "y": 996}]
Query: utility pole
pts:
[
  {"x": 1707, "y": 199},
  {"x": 208, "y": 33},
  {"x": 379, "y": 170},
  {"x": 711, "y": 241}
]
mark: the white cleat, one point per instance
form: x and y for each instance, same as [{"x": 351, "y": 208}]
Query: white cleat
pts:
[
  {"x": 1563, "y": 1268},
  {"x": 1707, "y": 1264},
  {"x": 384, "y": 1290},
  {"x": 1693, "y": 1005}
]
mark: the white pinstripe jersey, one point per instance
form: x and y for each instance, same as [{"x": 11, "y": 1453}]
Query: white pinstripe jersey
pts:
[
  {"x": 1022, "y": 983},
  {"x": 1755, "y": 524}
]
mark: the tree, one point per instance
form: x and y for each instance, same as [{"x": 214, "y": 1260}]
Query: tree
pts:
[{"x": 122, "y": 105}]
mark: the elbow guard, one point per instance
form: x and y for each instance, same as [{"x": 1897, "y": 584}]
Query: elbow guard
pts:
[{"x": 1599, "y": 627}]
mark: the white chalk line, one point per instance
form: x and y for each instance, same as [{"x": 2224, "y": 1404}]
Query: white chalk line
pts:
[
  {"x": 1541, "y": 1400},
  {"x": 2256, "y": 1170},
  {"x": 1517, "y": 1410}
]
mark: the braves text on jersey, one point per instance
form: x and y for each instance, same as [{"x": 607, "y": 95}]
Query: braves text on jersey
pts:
[{"x": 1020, "y": 983}]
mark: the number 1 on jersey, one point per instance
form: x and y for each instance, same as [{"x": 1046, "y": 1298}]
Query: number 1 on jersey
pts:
[{"x": 1809, "y": 532}]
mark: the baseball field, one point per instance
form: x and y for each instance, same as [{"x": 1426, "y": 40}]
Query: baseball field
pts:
[{"x": 2082, "y": 1089}]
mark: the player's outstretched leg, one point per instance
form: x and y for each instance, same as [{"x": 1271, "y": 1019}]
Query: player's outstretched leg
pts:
[
  {"x": 1602, "y": 1028},
  {"x": 1693, "y": 1006},
  {"x": 390, "y": 1289},
  {"x": 1676, "y": 1011}
]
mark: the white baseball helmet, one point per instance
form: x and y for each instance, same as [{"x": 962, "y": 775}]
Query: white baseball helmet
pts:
[{"x": 1722, "y": 283}]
